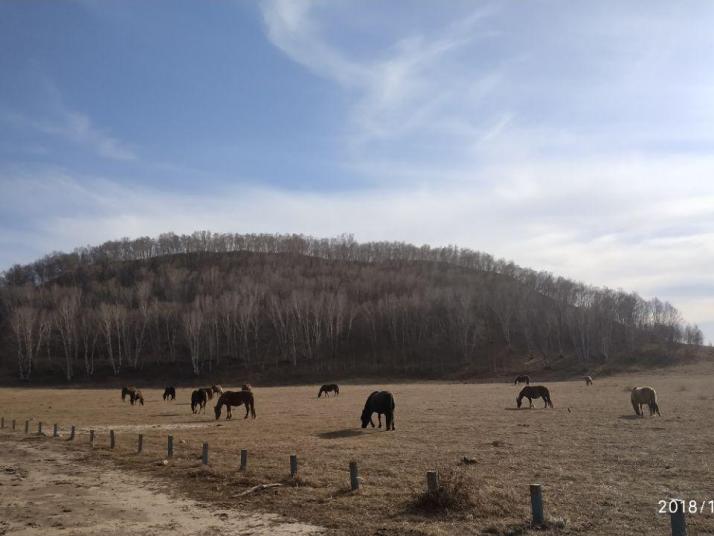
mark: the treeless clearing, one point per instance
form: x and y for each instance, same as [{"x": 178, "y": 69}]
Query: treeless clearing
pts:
[{"x": 603, "y": 470}]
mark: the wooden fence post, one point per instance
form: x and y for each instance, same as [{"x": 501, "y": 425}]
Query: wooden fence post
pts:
[
  {"x": 55, "y": 430},
  {"x": 27, "y": 427},
  {"x": 112, "y": 439},
  {"x": 71, "y": 433},
  {"x": 243, "y": 459},
  {"x": 679, "y": 524},
  {"x": 2, "y": 422},
  {"x": 13, "y": 424},
  {"x": 39, "y": 427},
  {"x": 293, "y": 465},
  {"x": 170, "y": 447},
  {"x": 432, "y": 481},
  {"x": 204, "y": 456},
  {"x": 140, "y": 445},
  {"x": 91, "y": 438},
  {"x": 354, "y": 476},
  {"x": 537, "y": 504}
]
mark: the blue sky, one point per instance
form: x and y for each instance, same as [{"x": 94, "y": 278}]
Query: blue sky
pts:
[{"x": 572, "y": 137}]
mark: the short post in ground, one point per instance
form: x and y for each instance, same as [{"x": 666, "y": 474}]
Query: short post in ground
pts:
[
  {"x": 112, "y": 439},
  {"x": 243, "y": 459},
  {"x": 676, "y": 512},
  {"x": 354, "y": 476},
  {"x": 170, "y": 447},
  {"x": 71, "y": 433},
  {"x": 537, "y": 504},
  {"x": 27, "y": 427},
  {"x": 140, "y": 444},
  {"x": 432, "y": 481},
  {"x": 91, "y": 438},
  {"x": 204, "y": 455},
  {"x": 55, "y": 430},
  {"x": 293, "y": 465}
]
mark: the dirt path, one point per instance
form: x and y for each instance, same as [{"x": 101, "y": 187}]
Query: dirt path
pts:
[{"x": 46, "y": 491}]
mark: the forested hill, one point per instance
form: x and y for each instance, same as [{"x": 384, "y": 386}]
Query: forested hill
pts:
[{"x": 209, "y": 304}]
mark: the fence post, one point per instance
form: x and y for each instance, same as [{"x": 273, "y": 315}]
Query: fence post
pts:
[
  {"x": 13, "y": 424},
  {"x": 537, "y": 504},
  {"x": 204, "y": 456},
  {"x": 293, "y": 465},
  {"x": 2, "y": 422},
  {"x": 112, "y": 439},
  {"x": 71, "y": 433},
  {"x": 27, "y": 427},
  {"x": 679, "y": 524},
  {"x": 170, "y": 447},
  {"x": 432, "y": 481},
  {"x": 91, "y": 438},
  {"x": 354, "y": 476},
  {"x": 140, "y": 445},
  {"x": 243, "y": 459},
  {"x": 55, "y": 430},
  {"x": 39, "y": 427}
]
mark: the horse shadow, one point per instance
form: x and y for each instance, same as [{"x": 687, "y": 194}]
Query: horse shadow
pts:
[
  {"x": 629, "y": 417},
  {"x": 337, "y": 434}
]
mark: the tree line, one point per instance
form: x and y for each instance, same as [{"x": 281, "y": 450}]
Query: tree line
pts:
[{"x": 206, "y": 300}]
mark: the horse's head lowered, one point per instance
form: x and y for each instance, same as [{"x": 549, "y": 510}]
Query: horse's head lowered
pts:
[
  {"x": 365, "y": 418},
  {"x": 217, "y": 410},
  {"x": 518, "y": 400}
]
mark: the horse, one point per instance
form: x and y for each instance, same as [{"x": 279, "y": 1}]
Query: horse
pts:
[
  {"x": 246, "y": 387},
  {"x": 328, "y": 388},
  {"x": 127, "y": 391},
  {"x": 136, "y": 396},
  {"x": 235, "y": 398},
  {"x": 379, "y": 402},
  {"x": 169, "y": 393},
  {"x": 522, "y": 379},
  {"x": 217, "y": 389},
  {"x": 534, "y": 391},
  {"x": 198, "y": 400},
  {"x": 644, "y": 395},
  {"x": 208, "y": 391},
  {"x": 588, "y": 380}
]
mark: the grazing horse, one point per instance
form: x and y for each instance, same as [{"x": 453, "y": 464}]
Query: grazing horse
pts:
[
  {"x": 198, "y": 401},
  {"x": 246, "y": 387},
  {"x": 534, "y": 391},
  {"x": 127, "y": 391},
  {"x": 217, "y": 389},
  {"x": 522, "y": 379},
  {"x": 136, "y": 396},
  {"x": 208, "y": 391},
  {"x": 169, "y": 393},
  {"x": 235, "y": 398},
  {"x": 328, "y": 388},
  {"x": 588, "y": 380},
  {"x": 380, "y": 402},
  {"x": 644, "y": 395}
]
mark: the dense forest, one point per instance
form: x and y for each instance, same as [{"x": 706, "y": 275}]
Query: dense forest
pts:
[{"x": 206, "y": 301}]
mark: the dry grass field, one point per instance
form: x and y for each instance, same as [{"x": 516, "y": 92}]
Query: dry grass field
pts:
[{"x": 602, "y": 469}]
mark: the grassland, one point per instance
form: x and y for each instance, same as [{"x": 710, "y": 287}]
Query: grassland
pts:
[{"x": 602, "y": 469}]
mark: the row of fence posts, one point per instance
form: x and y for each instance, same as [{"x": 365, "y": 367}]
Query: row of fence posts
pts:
[{"x": 678, "y": 522}]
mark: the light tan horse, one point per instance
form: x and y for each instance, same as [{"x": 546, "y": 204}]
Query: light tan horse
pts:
[
  {"x": 217, "y": 389},
  {"x": 644, "y": 395}
]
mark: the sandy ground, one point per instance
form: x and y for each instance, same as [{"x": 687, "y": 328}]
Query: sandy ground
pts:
[{"x": 47, "y": 491}]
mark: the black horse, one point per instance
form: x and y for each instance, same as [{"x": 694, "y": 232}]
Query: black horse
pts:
[
  {"x": 329, "y": 388},
  {"x": 534, "y": 391},
  {"x": 169, "y": 393},
  {"x": 380, "y": 402},
  {"x": 198, "y": 401},
  {"x": 522, "y": 379}
]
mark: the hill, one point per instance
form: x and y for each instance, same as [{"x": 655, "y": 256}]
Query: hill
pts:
[{"x": 281, "y": 306}]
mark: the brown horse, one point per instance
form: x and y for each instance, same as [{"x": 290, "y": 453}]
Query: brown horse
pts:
[
  {"x": 644, "y": 395},
  {"x": 235, "y": 398},
  {"x": 534, "y": 391},
  {"x": 217, "y": 389},
  {"x": 329, "y": 388},
  {"x": 588, "y": 380},
  {"x": 198, "y": 401},
  {"x": 127, "y": 391},
  {"x": 136, "y": 396},
  {"x": 208, "y": 391},
  {"x": 522, "y": 379},
  {"x": 170, "y": 393},
  {"x": 379, "y": 402}
]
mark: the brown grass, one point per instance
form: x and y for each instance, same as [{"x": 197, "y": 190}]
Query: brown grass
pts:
[{"x": 602, "y": 469}]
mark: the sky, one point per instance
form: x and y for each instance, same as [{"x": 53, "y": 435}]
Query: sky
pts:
[{"x": 576, "y": 138}]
